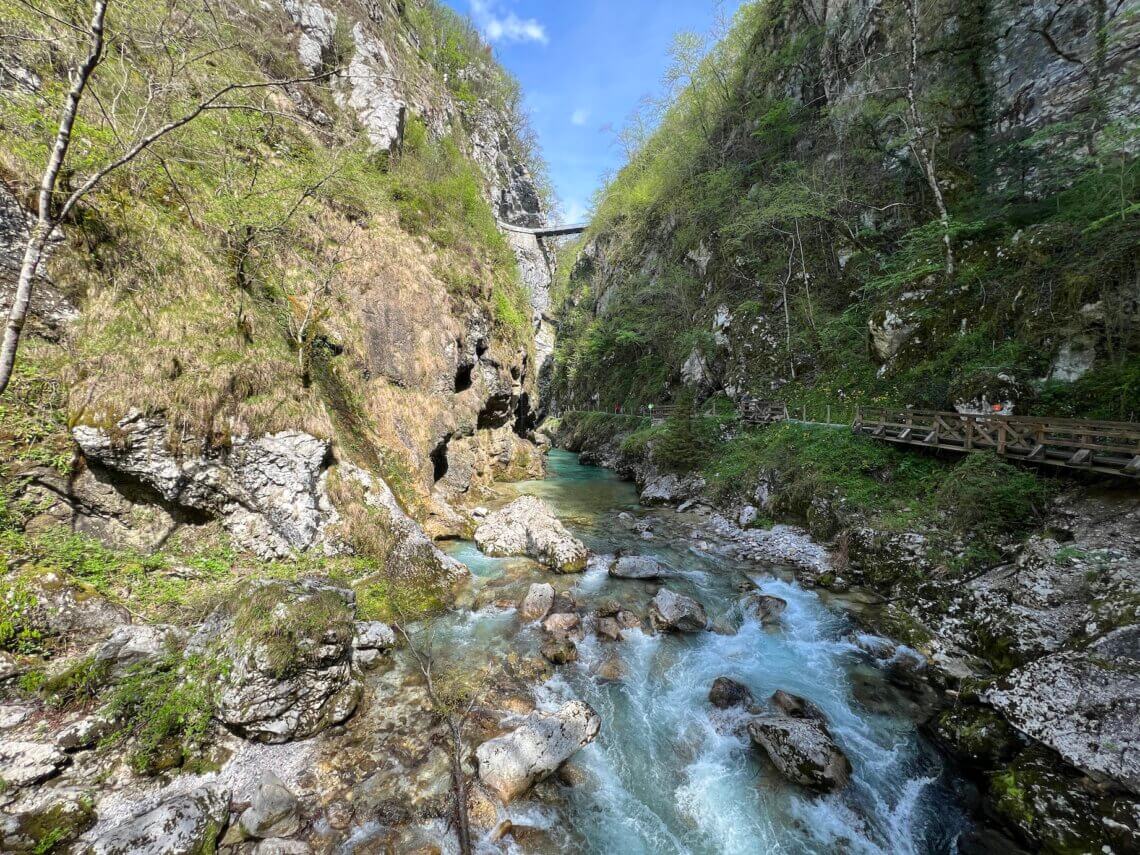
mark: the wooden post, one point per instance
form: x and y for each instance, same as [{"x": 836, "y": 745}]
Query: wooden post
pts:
[
  {"x": 969, "y": 431},
  {"x": 829, "y": 413},
  {"x": 1001, "y": 437}
]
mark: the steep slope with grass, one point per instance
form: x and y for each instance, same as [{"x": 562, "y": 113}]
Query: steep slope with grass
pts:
[
  {"x": 267, "y": 361},
  {"x": 843, "y": 204}
]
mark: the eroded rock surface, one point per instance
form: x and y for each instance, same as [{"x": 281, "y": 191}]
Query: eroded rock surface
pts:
[
  {"x": 290, "y": 649},
  {"x": 183, "y": 824},
  {"x": 802, "y": 750},
  {"x": 1083, "y": 704},
  {"x": 538, "y": 601},
  {"x": 511, "y": 763},
  {"x": 527, "y": 526}
]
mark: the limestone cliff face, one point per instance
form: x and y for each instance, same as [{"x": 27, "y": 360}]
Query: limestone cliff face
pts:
[
  {"x": 413, "y": 375},
  {"x": 1019, "y": 103}
]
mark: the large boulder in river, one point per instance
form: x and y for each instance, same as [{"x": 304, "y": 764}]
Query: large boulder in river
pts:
[
  {"x": 511, "y": 763},
  {"x": 186, "y": 823},
  {"x": 527, "y": 526},
  {"x": 538, "y": 601},
  {"x": 726, "y": 693},
  {"x": 290, "y": 649},
  {"x": 766, "y": 607},
  {"x": 639, "y": 567},
  {"x": 675, "y": 612},
  {"x": 802, "y": 750}
]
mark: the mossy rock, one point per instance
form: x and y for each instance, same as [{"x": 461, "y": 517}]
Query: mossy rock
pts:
[
  {"x": 977, "y": 736},
  {"x": 1053, "y": 810},
  {"x": 53, "y": 820}
]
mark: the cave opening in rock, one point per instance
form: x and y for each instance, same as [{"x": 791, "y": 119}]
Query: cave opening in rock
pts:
[
  {"x": 525, "y": 417},
  {"x": 463, "y": 377},
  {"x": 439, "y": 459}
]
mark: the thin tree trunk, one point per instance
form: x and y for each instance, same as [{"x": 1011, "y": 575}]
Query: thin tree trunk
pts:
[
  {"x": 45, "y": 221},
  {"x": 918, "y": 140},
  {"x": 788, "y": 314},
  {"x": 804, "y": 273}
]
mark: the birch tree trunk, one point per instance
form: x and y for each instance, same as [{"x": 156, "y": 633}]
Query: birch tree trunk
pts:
[
  {"x": 918, "y": 143},
  {"x": 45, "y": 218}
]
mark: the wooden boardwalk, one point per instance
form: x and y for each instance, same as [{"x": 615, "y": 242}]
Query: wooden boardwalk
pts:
[
  {"x": 1111, "y": 448},
  {"x": 1092, "y": 446}
]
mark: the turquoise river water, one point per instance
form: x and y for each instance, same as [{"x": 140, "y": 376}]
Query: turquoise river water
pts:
[{"x": 669, "y": 773}]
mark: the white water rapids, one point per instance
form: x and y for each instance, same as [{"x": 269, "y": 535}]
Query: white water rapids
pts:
[{"x": 671, "y": 774}]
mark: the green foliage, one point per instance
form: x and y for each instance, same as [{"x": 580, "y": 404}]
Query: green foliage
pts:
[
  {"x": 22, "y": 629},
  {"x": 400, "y": 600},
  {"x": 686, "y": 439},
  {"x": 984, "y": 494},
  {"x": 439, "y": 193},
  {"x": 285, "y": 627},
  {"x": 164, "y": 709},
  {"x": 77, "y": 685}
]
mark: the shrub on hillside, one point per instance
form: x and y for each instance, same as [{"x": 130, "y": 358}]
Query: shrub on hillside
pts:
[{"x": 985, "y": 494}]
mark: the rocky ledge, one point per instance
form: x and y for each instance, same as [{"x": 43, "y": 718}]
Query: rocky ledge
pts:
[{"x": 527, "y": 526}]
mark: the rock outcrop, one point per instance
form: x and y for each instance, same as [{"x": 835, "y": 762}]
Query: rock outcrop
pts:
[
  {"x": 527, "y": 526},
  {"x": 802, "y": 750},
  {"x": 291, "y": 667},
  {"x": 511, "y": 763},
  {"x": 183, "y": 824},
  {"x": 1085, "y": 705},
  {"x": 265, "y": 489},
  {"x": 673, "y": 612}
]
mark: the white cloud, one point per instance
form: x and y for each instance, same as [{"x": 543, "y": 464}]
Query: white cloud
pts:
[
  {"x": 580, "y": 116},
  {"x": 509, "y": 27}
]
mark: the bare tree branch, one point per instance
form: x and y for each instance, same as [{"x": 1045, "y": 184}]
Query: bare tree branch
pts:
[{"x": 46, "y": 219}]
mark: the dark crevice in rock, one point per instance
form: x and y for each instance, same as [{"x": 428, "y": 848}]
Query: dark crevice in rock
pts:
[
  {"x": 439, "y": 458},
  {"x": 525, "y": 418},
  {"x": 496, "y": 412},
  {"x": 463, "y": 377}
]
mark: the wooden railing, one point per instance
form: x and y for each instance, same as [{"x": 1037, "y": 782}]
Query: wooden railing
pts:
[
  {"x": 1098, "y": 446},
  {"x": 1084, "y": 444}
]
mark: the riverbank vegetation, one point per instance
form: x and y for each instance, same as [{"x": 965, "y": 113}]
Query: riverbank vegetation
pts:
[{"x": 778, "y": 208}]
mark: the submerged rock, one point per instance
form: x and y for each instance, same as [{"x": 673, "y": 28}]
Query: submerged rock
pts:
[
  {"x": 273, "y": 811},
  {"x": 511, "y": 763},
  {"x": 802, "y": 750},
  {"x": 563, "y": 626},
  {"x": 183, "y": 824},
  {"x": 560, "y": 652},
  {"x": 527, "y": 526},
  {"x": 639, "y": 567},
  {"x": 675, "y": 612},
  {"x": 726, "y": 693},
  {"x": 538, "y": 601},
  {"x": 766, "y": 607}
]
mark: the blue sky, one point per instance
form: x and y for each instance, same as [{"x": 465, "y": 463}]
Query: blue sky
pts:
[{"x": 584, "y": 66}]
